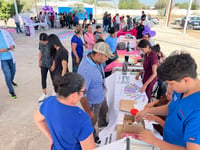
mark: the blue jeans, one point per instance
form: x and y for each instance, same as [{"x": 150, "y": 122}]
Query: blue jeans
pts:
[
  {"x": 18, "y": 29},
  {"x": 105, "y": 28},
  {"x": 9, "y": 69}
]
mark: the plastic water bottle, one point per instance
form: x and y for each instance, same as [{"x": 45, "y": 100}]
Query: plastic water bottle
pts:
[
  {"x": 125, "y": 67},
  {"x": 127, "y": 47}
]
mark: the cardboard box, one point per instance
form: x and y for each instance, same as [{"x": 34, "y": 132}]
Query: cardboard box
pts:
[
  {"x": 129, "y": 127},
  {"x": 127, "y": 105},
  {"x": 119, "y": 129}
]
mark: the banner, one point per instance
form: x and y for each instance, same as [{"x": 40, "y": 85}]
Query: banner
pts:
[{"x": 80, "y": 11}]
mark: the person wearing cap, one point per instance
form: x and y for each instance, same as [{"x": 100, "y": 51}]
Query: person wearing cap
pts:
[
  {"x": 91, "y": 69},
  {"x": 77, "y": 48},
  {"x": 8, "y": 64}
]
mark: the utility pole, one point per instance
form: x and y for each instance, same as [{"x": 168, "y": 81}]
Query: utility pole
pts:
[
  {"x": 16, "y": 9},
  {"x": 188, "y": 13},
  {"x": 170, "y": 10},
  {"x": 36, "y": 9},
  {"x": 96, "y": 9}
]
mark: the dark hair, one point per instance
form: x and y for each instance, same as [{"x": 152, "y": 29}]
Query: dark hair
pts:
[
  {"x": 112, "y": 30},
  {"x": 43, "y": 37},
  {"x": 177, "y": 67},
  {"x": 69, "y": 83},
  {"x": 156, "y": 48},
  {"x": 54, "y": 40},
  {"x": 148, "y": 35},
  {"x": 87, "y": 25},
  {"x": 144, "y": 43},
  {"x": 100, "y": 40},
  {"x": 98, "y": 26}
]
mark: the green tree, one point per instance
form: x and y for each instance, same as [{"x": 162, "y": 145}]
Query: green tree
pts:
[
  {"x": 129, "y": 4},
  {"x": 89, "y": 1},
  {"x": 7, "y": 9},
  {"x": 27, "y": 4},
  {"x": 105, "y": 5},
  {"x": 182, "y": 5},
  {"x": 4, "y": 11},
  {"x": 195, "y": 5},
  {"x": 161, "y": 4}
]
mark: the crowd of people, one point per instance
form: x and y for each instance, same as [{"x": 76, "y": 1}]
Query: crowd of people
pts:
[{"x": 69, "y": 127}]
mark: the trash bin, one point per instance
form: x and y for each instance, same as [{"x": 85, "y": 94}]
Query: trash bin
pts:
[{"x": 27, "y": 30}]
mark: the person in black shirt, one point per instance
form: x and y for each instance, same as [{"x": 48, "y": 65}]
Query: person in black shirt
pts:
[
  {"x": 59, "y": 54},
  {"x": 143, "y": 17},
  {"x": 140, "y": 29}
]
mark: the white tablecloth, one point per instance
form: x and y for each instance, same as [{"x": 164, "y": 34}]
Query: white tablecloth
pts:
[{"x": 116, "y": 84}]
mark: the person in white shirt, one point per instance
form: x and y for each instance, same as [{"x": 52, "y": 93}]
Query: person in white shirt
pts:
[
  {"x": 118, "y": 21},
  {"x": 17, "y": 22}
]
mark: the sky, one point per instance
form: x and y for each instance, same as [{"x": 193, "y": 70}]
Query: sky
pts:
[{"x": 152, "y": 2}]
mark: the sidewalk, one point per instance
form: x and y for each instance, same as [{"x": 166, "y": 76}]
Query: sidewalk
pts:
[{"x": 17, "y": 129}]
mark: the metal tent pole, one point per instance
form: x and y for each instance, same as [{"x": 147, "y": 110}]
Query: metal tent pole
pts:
[{"x": 188, "y": 13}]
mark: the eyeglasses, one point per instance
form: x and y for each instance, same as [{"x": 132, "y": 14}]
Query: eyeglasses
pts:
[{"x": 84, "y": 91}]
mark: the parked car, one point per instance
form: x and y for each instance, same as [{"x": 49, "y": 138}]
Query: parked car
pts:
[
  {"x": 177, "y": 21},
  {"x": 193, "y": 22},
  {"x": 155, "y": 20},
  {"x": 136, "y": 19}
]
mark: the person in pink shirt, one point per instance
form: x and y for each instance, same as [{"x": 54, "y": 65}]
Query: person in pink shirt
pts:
[{"x": 89, "y": 37}]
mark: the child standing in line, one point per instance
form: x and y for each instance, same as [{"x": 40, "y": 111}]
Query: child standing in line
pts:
[{"x": 97, "y": 33}]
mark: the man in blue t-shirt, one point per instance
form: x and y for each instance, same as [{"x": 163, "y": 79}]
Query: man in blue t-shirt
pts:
[
  {"x": 67, "y": 126},
  {"x": 92, "y": 71},
  {"x": 182, "y": 125},
  {"x": 7, "y": 46}
]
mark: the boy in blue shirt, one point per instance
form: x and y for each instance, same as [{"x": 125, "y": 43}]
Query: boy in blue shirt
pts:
[
  {"x": 7, "y": 46},
  {"x": 182, "y": 125}
]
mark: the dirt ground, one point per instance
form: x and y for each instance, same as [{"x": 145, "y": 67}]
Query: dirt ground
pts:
[
  {"x": 17, "y": 129},
  {"x": 193, "y": 33}
]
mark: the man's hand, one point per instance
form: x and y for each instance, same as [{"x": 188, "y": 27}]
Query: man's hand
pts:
[
  {"x": 149, "y": 105},
  {"x": 12, "y": 47},
  {"x": 150, "y": 117},
  {"x": 140, "y": 115},
  {"x": 147, "y": 136}
]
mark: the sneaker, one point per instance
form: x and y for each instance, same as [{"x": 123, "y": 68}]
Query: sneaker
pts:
[
  {"x": 14, "y": 84},
  {"x": 97, "y": 140},
  {"x": 13, "y": 95},
  {"x": 43, "y": 96}
]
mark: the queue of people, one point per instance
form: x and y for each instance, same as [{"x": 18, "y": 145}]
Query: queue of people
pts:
[{"x": 67, "y": 126}]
